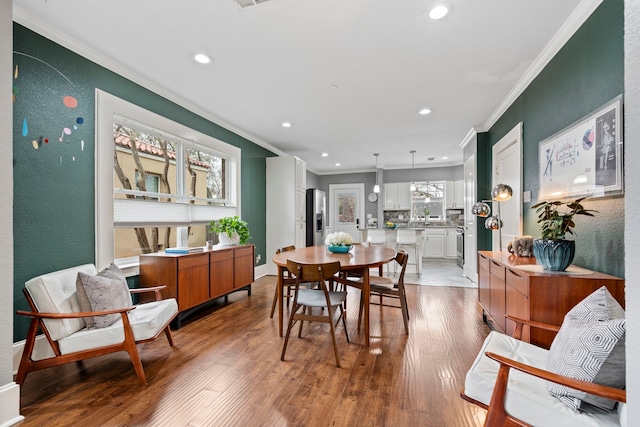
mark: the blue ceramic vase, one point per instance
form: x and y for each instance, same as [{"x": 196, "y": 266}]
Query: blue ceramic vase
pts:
[
  {"x": 339, "y": 249},
  {"x": 554, "y": 255}
]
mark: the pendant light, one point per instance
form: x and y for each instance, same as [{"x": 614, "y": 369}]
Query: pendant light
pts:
[
  {"x": 376, "y": 188},
  {"x": 412, "y": 187}
]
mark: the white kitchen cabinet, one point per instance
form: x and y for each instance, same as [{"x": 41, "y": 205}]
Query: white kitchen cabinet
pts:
[
  {"x": 433, "y": 245},
  {"x": 451, "y": 250},
  {"x": 286, "y": 204},
  {"x": 454, "y": 193},
  {"x": 397, "y": 196}
]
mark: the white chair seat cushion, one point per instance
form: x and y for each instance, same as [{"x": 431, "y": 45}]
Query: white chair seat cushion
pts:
[
  {"x": 56, "y": 293},
  {"x": 146, "y": 321},
  {"x": 316, "y": 298},
  {"x": 527, "y": 397}
]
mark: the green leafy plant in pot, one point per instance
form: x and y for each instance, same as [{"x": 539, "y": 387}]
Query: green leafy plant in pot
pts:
[
  {"x": 231, "y": 230},
  {"x": 552, "y": 250}
]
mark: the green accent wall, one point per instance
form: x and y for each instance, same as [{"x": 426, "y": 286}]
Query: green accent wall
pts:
[
  {"x": 586, "y": 73},
  {"x": 54, "y": 213}
]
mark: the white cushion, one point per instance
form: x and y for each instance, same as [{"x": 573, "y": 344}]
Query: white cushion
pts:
[
  {"x": 527, "y": 397},
  {"x": 146, "y": 321},
  {"x": 56, "y": 293}
]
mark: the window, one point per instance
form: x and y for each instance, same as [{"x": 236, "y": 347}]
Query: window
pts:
[
  {"x": 158, "y": 183},
  {"x": 428, "y": 201}
]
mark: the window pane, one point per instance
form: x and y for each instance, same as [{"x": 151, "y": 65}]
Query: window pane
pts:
[
  {"x": 346, "y": 208},
  {"x": 204, "y": 176},
  {"x": 150, "y": 157},
  {"x": 131, "y": 242}
]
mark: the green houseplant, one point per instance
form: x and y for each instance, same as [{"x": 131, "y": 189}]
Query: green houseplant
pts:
[
  {"x": 552, "y": 250},
  {"x": 231, "y": 230}
]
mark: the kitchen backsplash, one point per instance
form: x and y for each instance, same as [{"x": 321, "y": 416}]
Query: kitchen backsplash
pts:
[{"x": 453, "y": 217}]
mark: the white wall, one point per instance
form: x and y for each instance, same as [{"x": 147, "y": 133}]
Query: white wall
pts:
[
  {"x": 632, "y": 202},
  {"x": 9, "y": 391}
]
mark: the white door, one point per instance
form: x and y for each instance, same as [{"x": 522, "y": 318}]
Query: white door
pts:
[
  {"x": 346, "y": 204},
  {"x": 470, "y": 239},
  {"x": 507, "y": 162}
]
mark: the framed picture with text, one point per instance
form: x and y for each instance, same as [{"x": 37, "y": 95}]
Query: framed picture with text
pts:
[{"x": 584, "y": 159}]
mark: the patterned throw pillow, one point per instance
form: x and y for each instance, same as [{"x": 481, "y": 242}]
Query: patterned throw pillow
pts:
[
  {"x": 590, "y": 346},
  {"x": 105, "y": 291}
]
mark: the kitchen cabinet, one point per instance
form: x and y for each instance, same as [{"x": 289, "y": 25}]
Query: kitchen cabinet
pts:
[
  {"x": 517, "y": 286},
  {"x": 433, "y": 245},
  {"x": 451, "y": 249},
  {"x": 197, "y": 278},
  {"x": 397, "y": 196},
  {"x": 454, "y": 194},
  {"x": 286, "y": 205}
]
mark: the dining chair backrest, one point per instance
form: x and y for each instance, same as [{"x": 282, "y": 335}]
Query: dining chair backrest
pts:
[
  {"x": 406, "y": 237},
  {"x": 285, "y": 249},
  {"x": 313, "y": 272},
  {"x": 402, "y": 258},
  {"x": 376, "y": 237}
]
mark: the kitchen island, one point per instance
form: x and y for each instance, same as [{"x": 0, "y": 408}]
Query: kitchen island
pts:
[{"x": 436, "y": 241}]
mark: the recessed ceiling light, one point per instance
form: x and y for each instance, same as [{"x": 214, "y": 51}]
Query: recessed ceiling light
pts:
[
  {"x": 425, "y": 111},
  {"x": 324, "y": 154},
  {"x": 202, "y": 58},
  {"x": 439, "y": 11},
  {"x": 445, "y": 158},
  {"x": 286, "y": 125},
  {"x": 337, "y": 164}
]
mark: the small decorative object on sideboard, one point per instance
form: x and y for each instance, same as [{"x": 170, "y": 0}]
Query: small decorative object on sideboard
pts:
[
  {"x": 231, "y": 231},
  {"x": 339, "y": 242},
  {"x": 552, "y": 250},
  {"x": 521, "y": 246}
]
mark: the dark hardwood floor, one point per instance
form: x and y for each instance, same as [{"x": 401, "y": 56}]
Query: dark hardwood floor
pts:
[{"x": 225, "y": 370}]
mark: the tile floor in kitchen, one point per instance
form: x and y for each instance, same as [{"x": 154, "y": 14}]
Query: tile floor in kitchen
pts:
[{"x": 435, "y": 272}]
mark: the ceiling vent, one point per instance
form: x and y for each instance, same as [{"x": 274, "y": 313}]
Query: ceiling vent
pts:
[{"x": 247, "y": 3}]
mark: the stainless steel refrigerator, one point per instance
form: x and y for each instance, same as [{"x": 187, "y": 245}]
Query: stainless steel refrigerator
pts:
[{"x": 316, "y": 216}]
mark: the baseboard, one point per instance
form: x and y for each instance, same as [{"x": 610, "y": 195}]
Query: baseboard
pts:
[
  {"x": 10, "y": 405},
  {"x": 261, "y": 270}
]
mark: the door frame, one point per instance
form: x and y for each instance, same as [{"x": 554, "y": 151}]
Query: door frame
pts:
[
  {"x": 470, "y": 220},
  {"x": 513, "y": 137},
  {"x": 360, "y": 212}
]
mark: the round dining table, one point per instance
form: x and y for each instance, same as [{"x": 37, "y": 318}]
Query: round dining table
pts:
[{"x": 359, "y": 259}]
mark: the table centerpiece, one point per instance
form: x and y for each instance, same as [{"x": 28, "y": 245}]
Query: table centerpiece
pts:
[{"x": 339, "y": 242}]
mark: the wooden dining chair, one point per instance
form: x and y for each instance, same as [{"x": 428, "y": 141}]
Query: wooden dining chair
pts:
[
  {"x": 386, "y": 287},
  {"x": 286, "y": 285},
  {"x": 304, "y": 300}
]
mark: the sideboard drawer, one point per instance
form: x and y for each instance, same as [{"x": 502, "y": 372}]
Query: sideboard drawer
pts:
[
  {"x": 517, "y": 281},
  {"x": 497, "y": 269},
  {"x": 193, "y": 261}
]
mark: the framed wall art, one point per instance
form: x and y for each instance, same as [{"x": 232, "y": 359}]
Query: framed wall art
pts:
[{"x": 584, "y": 159}]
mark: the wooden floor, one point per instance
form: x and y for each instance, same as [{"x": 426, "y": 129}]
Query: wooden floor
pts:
[{"x": 225, "y": 370}]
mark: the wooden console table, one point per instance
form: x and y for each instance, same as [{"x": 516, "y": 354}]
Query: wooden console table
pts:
[
  {"x": 517, "y": 286},
  {"x": 197, "y": 278}
]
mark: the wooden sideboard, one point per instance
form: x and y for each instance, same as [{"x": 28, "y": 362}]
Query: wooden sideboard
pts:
[
  {"x": 517, "y": 286},
  {"x": 197, "y": 278}
]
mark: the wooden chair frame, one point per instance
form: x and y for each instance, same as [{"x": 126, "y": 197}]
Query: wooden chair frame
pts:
[
  {"x": 27, "y": 364},
  {"x": 497, "y": 416},
  {"x": 315, "y": 273}
]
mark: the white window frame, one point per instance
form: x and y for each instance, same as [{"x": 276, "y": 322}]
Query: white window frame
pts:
[{"x": 111, "y": 213}]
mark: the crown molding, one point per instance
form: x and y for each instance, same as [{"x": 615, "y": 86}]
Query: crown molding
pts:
[
  {"x": 468, "y": 138},
  {"x": 568, "y": 29},
  {"x": 46, "y": 30}
]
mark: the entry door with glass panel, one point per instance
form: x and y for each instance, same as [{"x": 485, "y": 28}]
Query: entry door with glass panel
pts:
[{"x": 347, "y": 208}]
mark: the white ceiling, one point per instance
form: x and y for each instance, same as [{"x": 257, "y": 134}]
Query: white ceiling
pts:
[{"x": 350, "y": 75}]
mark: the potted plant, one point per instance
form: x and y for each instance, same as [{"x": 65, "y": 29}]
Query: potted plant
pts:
[
  {"x": 552, "y": 250},
  {"x": 231, "y": 231}
]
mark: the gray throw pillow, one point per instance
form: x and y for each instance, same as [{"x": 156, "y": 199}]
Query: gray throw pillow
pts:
[
  {"x": 105, "y": 291},
  {"x": 590, "y": 346}
]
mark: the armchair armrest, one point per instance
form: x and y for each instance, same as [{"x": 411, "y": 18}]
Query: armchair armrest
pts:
[
  {"x": 155, "y": 289},
  {"x": 517, "y": 332},
  {"x": 498, "y": 416},
  {"x": 72, "y": 315}
]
